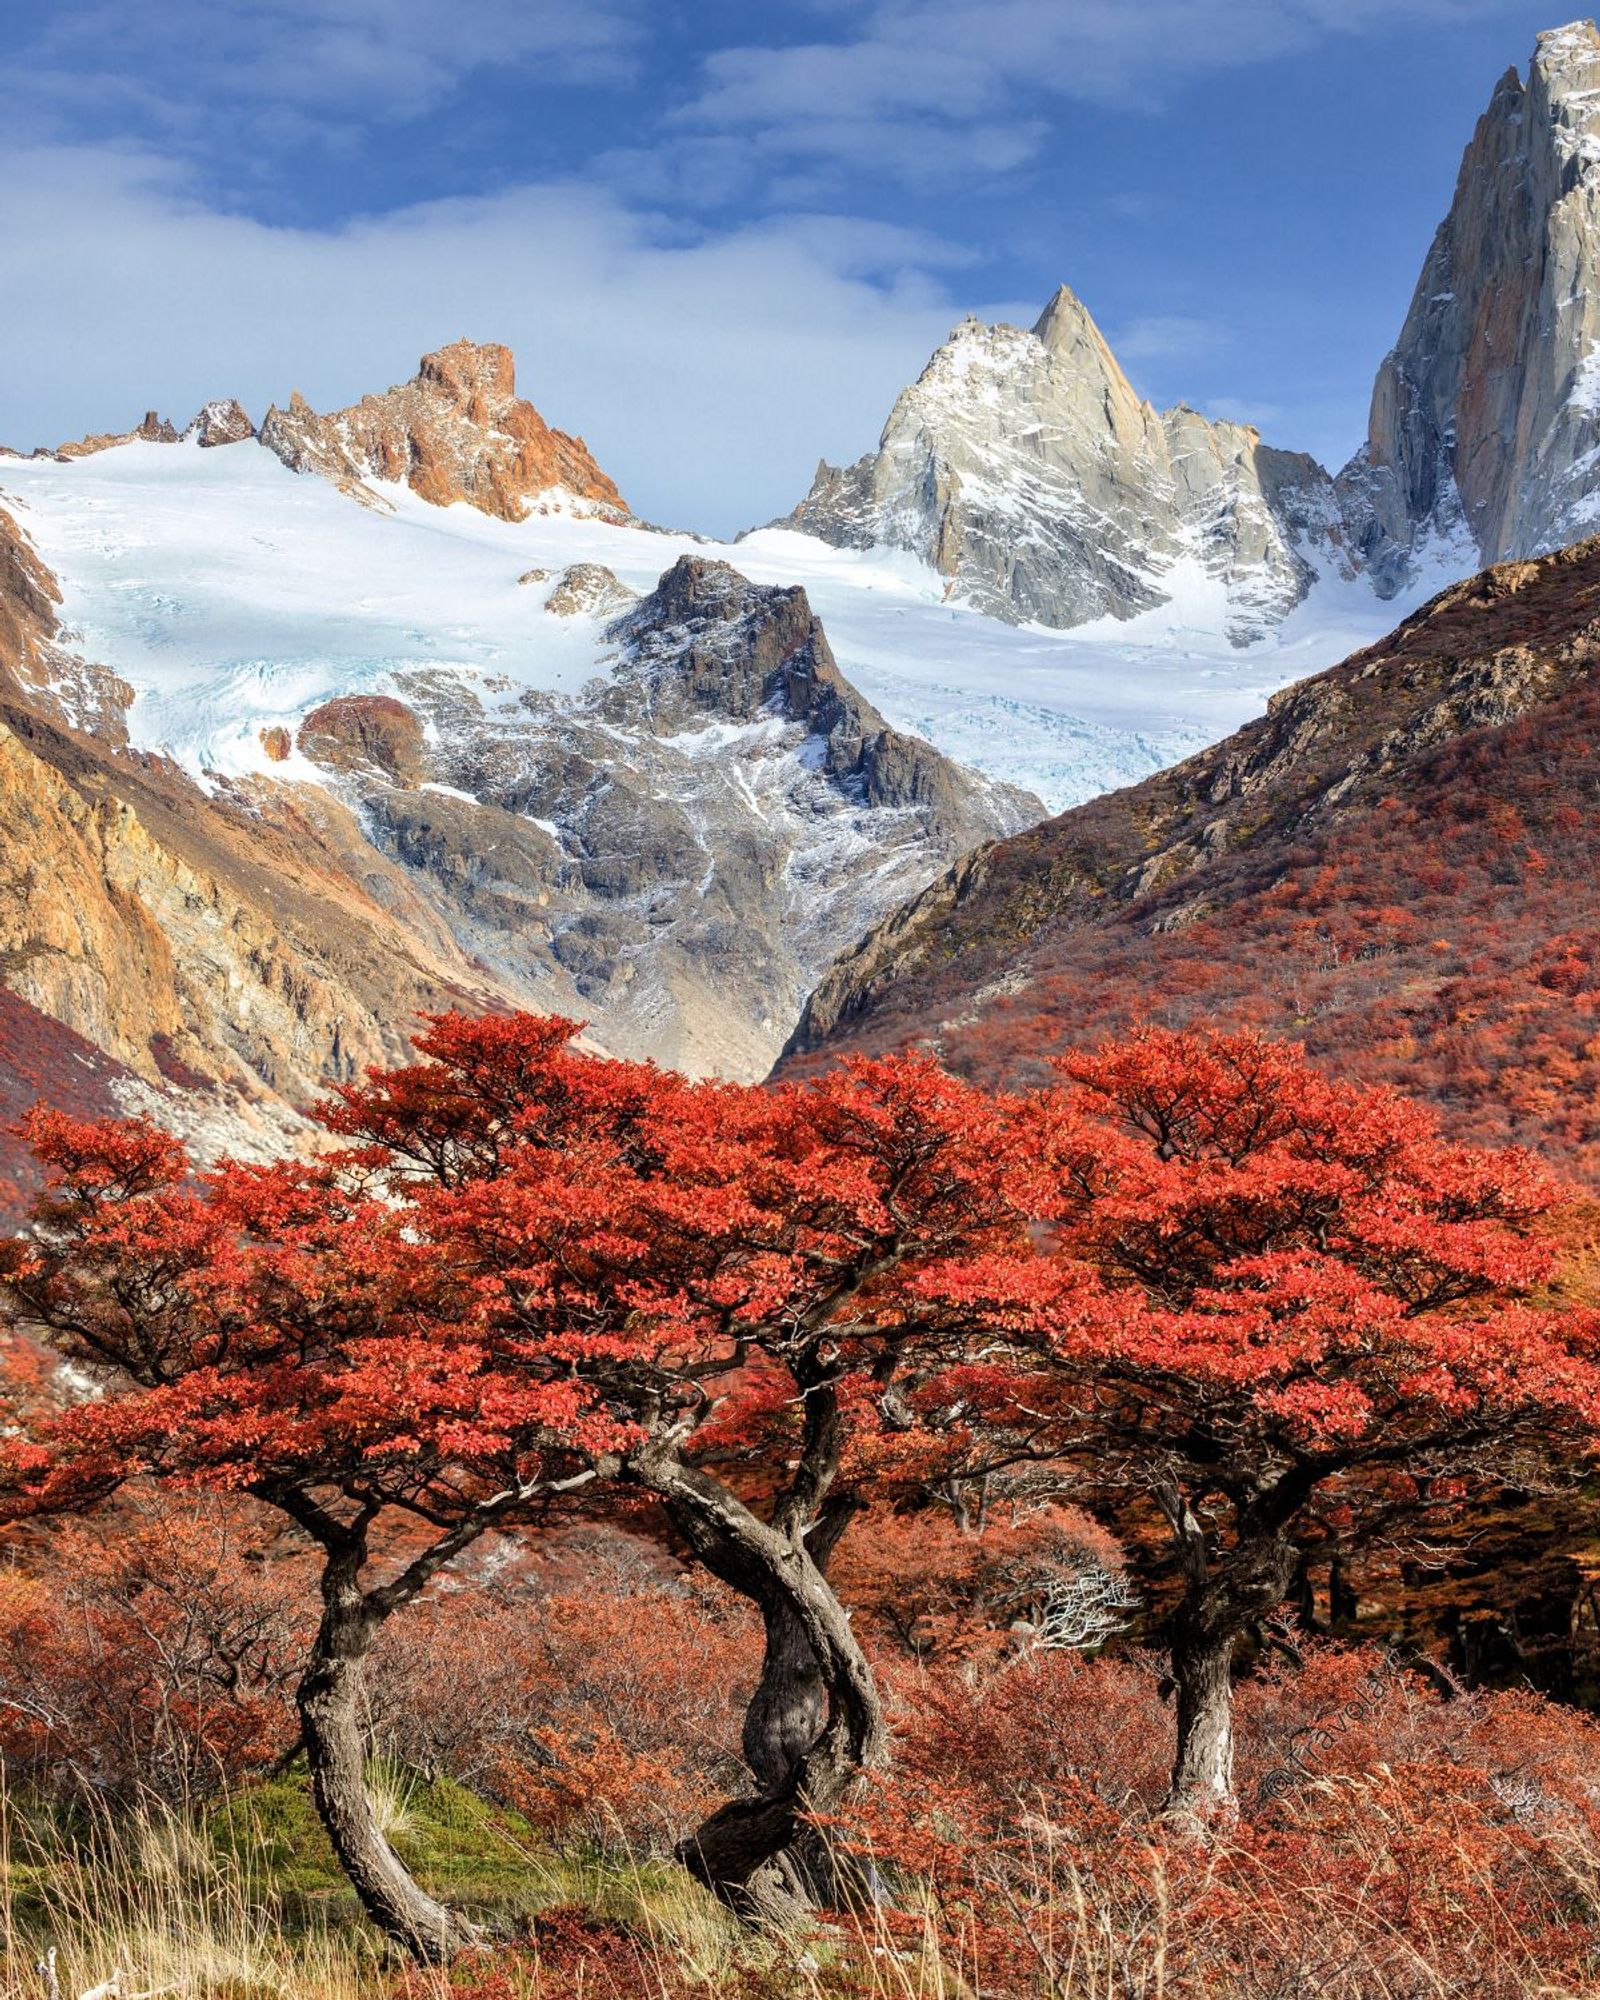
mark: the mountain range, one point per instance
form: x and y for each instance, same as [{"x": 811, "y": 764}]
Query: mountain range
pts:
[
  {"x": 312, "y": 725},
  {"x": 1023, "y": 467}
]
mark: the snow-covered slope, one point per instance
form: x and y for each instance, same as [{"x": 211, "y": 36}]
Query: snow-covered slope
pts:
[
  {"x": 666, "y": 824},
  {"x": 234, "y": 595}
]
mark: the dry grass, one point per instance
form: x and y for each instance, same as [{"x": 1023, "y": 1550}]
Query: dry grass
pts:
[
  {"x": 147, "y": 1901},
  {"x": 154, "y": 1902}
]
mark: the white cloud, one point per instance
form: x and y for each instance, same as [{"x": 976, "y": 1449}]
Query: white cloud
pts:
[
  {"x": 958, "y": 87},
  {"x": 707, "y": 374},
  {"x": 392, "y": 57}
]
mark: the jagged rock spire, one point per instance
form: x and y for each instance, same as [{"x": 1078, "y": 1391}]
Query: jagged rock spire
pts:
[
  {"x": 457, "y": 431},
  {"x": 1485, "y": 421},
  {"x": 1026, "y": 467}
]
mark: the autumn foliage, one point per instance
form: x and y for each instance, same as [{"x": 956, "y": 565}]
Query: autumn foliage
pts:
[
  {"x": 792, "y": 1447},
  {"x": 1442, "y": 938}
]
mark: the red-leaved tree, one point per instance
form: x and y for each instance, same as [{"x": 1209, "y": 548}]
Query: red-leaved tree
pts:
[
  {"x": 287, "y": 1332},
  {"x": 1276, "y": 1309},
  {"x": 529, "y": 1273},
  {"x": 743, "y": 1281}
]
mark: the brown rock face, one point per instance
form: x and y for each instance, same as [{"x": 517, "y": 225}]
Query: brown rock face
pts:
[
  {"x": 154, "y": 429},
  {"x": 235, "y": 949},
  {"x": 222, "y": 422},
  {"x": 456, "y": 431},
  {"x": 366, "y": 732},
  {"x": 54, "y": 681},
  {"x": 277, "y": 743}
]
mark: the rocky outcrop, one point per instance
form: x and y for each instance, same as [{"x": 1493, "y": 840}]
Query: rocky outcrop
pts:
[
  {"x": 1485, "y": 424},
  {"x": 153, "y": 429},
  {"x": 360, "y": 732},
  {"x": 457, "y": 431},
  {"x": 708, "y": 645},
  {"x": 34, "y": 666},
  {"x": 587, "y": 590},
  {"x": 1024, "y": 467},
  {"x": 676, "y": 853},
  {"x": 222, "y": 422}
]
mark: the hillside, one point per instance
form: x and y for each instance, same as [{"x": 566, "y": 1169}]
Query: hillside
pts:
[{"x": 1394, "y": 865}]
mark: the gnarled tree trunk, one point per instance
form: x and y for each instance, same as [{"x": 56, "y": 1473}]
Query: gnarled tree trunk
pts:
[
  {"x": 815, "y": 1722},
  {"x": 789, "y": 1708},
  {"x": 1224, "y": 1596},
  {"x": 330, "y": 1700},
  {"x": 1202, "y": 1769}
]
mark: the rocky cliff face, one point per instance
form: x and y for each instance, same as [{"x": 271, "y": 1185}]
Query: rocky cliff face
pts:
[
  {"x": 676, "y": 853},
  {"x": 222, "y": 954},
  {"x": 458, "y": 431},
  {"x": 1023, "y": 466},
  {"x": 1485, "y": 425}
]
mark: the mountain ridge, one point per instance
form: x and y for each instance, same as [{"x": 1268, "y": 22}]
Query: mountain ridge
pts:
[
  {"x": 1023, "y": 467},
  {"x": 456, "y": 431}
]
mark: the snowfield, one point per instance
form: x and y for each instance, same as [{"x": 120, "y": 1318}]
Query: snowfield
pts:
[{"x": 234, "y": 594}]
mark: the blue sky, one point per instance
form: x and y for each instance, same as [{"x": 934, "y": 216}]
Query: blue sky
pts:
[{"x": 720, "y": 237}]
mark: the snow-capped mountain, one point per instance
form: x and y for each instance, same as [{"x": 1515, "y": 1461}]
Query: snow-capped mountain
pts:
[
  {"x": 1023, "y": 467},
  {"x": 651, "y": 801}
]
